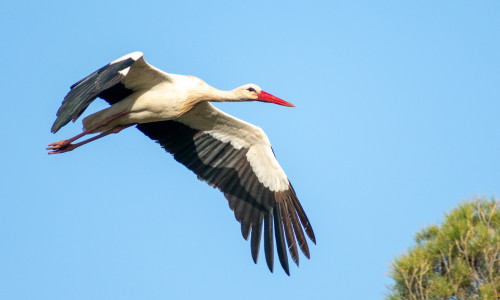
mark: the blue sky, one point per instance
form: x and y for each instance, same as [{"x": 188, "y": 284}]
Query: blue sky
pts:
[{"x": 396, "y": 123}]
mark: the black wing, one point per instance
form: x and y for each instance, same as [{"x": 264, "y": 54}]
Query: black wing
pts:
[
  {"x": 113, "y": 82},
  {"x": 229, "y": 169}
]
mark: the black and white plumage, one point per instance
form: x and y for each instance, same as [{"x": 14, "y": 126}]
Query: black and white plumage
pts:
[{"x": 227, "y": 153}]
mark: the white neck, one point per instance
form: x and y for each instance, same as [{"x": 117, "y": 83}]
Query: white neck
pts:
[{"x": 215, "y": 95}]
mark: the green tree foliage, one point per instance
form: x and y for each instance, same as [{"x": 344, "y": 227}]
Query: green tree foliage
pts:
[{"x": 460, "y": 259}]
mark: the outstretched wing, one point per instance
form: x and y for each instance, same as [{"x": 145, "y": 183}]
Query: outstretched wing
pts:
[
  {"x": 112, "y": 82},
  {"x": 236, "y": 157}
]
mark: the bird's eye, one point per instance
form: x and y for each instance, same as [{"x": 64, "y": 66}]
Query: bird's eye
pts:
[{"x": 251, "y": 89}]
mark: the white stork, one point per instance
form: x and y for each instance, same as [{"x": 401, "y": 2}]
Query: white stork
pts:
[{"x": 225, "y": 152}]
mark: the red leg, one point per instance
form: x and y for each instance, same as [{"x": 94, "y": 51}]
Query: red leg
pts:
[
  {"x": 65, "y": 143},
  {"x": 68, "y": 147}
]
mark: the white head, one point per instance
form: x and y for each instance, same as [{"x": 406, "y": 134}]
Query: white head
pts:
[{"x": 252, "y": 92}]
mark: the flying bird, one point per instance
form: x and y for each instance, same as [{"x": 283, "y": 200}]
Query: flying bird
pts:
[{"x": 227, "y": 153}]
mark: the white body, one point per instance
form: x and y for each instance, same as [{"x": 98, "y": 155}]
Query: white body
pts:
[{"x": 185, "y": 99}]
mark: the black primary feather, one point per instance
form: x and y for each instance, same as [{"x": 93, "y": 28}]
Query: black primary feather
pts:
[{"x": 86, "y": 90}]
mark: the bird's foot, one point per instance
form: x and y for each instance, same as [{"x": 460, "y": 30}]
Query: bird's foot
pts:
[{"x": 60, "y": 147}]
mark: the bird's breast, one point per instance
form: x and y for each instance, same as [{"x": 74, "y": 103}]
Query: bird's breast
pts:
[{"x": 159, "y": 105}]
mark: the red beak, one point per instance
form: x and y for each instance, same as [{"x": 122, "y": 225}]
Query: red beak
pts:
[{"x": 266, "y": 97}]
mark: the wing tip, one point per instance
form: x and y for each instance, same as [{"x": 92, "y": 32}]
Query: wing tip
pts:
[
  {"x": 57, "y": 125},
  {"x": 280, "y": 238},
  {"x": 255, "y": 258},
  {"x": 310, "y": 234},
  {"x": 287, "y": 272}
]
